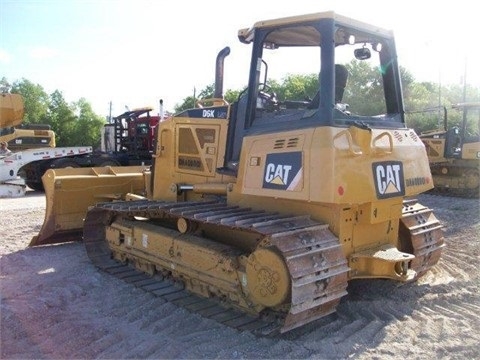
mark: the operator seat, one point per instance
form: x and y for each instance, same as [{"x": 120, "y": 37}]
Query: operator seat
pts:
[{"x": 341, "y": 76}]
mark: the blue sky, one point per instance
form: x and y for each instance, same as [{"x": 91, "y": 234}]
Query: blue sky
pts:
[{"x": 135, "y": 52}]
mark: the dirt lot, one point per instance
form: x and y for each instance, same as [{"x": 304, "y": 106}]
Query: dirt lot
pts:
[{"x": 56, "y": 305}]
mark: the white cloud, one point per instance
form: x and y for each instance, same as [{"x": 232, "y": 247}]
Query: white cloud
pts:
[
  {"x": 5, "y": 57},
  {"x": 42, "y": 52}
]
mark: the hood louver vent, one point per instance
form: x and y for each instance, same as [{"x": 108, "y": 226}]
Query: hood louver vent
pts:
[
  {"x": 279, "y": 144},
  {"x": 282, "y": 143},
  {"x": 293, "y": 142}
]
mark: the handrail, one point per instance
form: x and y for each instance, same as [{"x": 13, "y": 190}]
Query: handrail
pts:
[{"x": 348, "y": 135}]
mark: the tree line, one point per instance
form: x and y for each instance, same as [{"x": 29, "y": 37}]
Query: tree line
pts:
[
  {"x": 424, "y": 102},
  {"x": 76, "y": 123}
]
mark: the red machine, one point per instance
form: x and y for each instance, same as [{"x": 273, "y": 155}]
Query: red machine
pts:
[{"x": 133, "y": 133}]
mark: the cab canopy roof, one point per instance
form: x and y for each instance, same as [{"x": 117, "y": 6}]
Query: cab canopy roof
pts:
[{"x": 302, "y": 33}]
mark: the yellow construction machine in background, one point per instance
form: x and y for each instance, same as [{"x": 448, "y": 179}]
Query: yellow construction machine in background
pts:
[
  {"x": 17, "y": 135},
  {"x": 454, "y": 153}
]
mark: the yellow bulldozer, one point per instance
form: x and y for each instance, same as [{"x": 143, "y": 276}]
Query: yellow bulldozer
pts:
[
  {"x": 454, "y": 153},
  {"x": 257, "y": 213}
]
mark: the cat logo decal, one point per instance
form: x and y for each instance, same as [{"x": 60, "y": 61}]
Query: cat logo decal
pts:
[
  {"x": 283, "y": 171},
  {"x": 388, "y": 179}
]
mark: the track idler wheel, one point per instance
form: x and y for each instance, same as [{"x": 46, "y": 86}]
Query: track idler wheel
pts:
[{"x": 268, "y": 278}]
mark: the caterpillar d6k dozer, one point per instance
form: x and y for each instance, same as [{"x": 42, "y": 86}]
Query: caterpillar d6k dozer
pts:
[{"x": 259, "y": 212}]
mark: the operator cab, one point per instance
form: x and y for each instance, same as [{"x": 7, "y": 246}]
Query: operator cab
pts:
[{"x": 321, "y": 49}]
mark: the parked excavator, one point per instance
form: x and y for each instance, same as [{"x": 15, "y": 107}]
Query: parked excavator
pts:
[
  {"x": 257, "y": 213},
  {"x": 15, "y": 133},
  {"x": 454, "y": 153}
]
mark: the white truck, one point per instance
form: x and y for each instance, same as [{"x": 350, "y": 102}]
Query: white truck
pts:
[{"x": 12, "y": 184}]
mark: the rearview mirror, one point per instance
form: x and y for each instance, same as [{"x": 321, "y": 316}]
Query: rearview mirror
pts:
[{"x": 362, "y": 53}]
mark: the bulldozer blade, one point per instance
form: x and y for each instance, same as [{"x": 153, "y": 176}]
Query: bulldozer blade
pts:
[{"x": 69, "y": 192}]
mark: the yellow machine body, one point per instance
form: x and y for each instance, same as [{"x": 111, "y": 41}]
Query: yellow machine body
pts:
[
  {"x": 268, "y": 207},
  {"x": 11, "y": 110}
]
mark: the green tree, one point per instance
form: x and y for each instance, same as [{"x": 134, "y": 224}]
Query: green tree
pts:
[
  {"x": 232, "y": 95},
  {"x": 295, "y": 87},
  {"x": 187, "y": 103},
  {"x": 207, "y": 93},
  {"x": 63, "y": 120},
  {"x": 422, "y": 110},
  {"x": 74, "y": 124},
  {"x": 87, "y": 129},
  {"x": 364, "y": 82},
  {"x": 425, "y": 103},
  {"x": 5, "y": 86},
  {"x": 36, "y": 101}
]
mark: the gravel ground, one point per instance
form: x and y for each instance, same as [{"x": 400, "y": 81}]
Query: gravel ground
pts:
[{"x": 56, "y": 305}]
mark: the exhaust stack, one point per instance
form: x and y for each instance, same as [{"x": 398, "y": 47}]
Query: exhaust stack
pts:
[{"x": 219, "y": 72}]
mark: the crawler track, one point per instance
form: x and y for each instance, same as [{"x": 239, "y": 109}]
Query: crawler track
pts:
[
  {"x": 317, "y": 267},
  {"x": 461, "y": 181},
  {"x": 421, "y": 235}
]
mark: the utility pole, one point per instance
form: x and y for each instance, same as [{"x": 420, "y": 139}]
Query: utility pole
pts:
[
  {"x": 465, "y": 82},
  {"x": 110, "y": 113},
  {"x": 464, "y": 93},
  {"x": 439, "y": 98}
]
